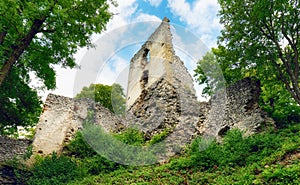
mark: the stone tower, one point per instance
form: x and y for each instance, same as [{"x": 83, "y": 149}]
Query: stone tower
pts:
[
  {"x": 160, "y": 97},
  {"x": 155, "y": 60}
]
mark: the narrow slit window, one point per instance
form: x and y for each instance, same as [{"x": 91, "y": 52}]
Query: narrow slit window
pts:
[
  {"x": 145, "y": 76},
  {"x": 147, "y": 55}
]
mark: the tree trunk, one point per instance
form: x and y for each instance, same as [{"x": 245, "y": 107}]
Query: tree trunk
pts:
[{"x": 20, "y": 48}]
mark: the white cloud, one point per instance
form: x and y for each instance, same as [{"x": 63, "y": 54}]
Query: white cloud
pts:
[
  {"x": 122, "y": 13},
  {"x": 114, "y": 71},
  {"x": 154, "y": 3},
  {"x": 146, "y": 17},
  {"x": 200, "y": 16}
]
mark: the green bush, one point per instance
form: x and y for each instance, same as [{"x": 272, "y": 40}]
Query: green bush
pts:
[
  {"x": 131, "y": 136},
  {"x": 98, "y": 164},
  {"x": 159, "y": 137},
  {"x": 79, "y": 148},
  {"x": 235, "y": 150},
  {"x": 55, "y": 170},
  {"x": 92, "y": 162},
  {"x": 278, "y": 174},
  {"x": 207, "y": 158}
]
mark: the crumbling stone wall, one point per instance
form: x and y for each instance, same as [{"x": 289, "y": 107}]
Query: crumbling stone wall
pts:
[
  {"x": 242, "y": 107},
  {"x": 62, "y": 117},
  {"x": 11, "y": 148}
]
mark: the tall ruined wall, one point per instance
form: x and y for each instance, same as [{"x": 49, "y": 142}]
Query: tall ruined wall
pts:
[
  {"x": 62, "y": 117},
  {"x": 156, "y": 59},
  {"x": 161, "y": 99},
  {"x": 241, "y": 110},
  {"x": 11, "y": 148},
  {"x": 164, "y": 107}
]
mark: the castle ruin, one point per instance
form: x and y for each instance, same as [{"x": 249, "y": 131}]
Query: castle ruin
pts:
[{"x": 160, "y": 99}]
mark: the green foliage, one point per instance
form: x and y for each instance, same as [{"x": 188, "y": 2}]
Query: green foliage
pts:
[
  {"x": 97, "y": 164},
  {"x": 277, "y": 102},
  {"x": 159, "y": 137},
  {"x": 28, "y": 153},
  {"x": 278, "y": 174},
  {"x": 265, "y": 158},
  {"x": 251, "y": 42},
  {"x": 122, "y": 148},
  {"x": 235, "y": 150},
  {"x": 35, "y": 36},
  {"x": 209, "y": 72},
  {"x": 20, "y": 105},
  {"x": 118, "y": 99},
  {"x": 131, "y": 136},
  {"x": 89, "y": 160},
  {"x": 55, "y": 170},
  {"x": 264, "y": 150},
  {"x": 79, "y": 148},
  {"x": 111, "y": 97}
]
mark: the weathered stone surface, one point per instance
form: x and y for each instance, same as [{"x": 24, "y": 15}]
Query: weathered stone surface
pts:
[
  {"x": 7, "y": 175},
  {"x": 11, "y": 148},
  {"x": 168, "y": 101},
  {"x": 62, "y": 117},
  {"x": 238, "y": 109}
]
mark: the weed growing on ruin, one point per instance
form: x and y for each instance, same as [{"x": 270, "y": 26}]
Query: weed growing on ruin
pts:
[{"x": 131, "y": 136}]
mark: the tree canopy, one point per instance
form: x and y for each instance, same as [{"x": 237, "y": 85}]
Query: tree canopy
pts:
[
  {"x": 34, "y": 36},
  {"x": 111, "y": 97},
  {"x": 261, "y": 38}
]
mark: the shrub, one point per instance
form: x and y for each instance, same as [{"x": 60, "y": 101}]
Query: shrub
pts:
[
  {"x": 54, "y": 170},
  {"x": 92, "y": 162},
  {"x": 235, "y": 150},
  {"x": 159, "y": 137},
  {"x": 282, "y": 175},
  {"x": 79, "y": 148},
  {"x": 131, "y": 136},
  {"x": 98, "y": 164},
  {"x": 205, "y": 158}
]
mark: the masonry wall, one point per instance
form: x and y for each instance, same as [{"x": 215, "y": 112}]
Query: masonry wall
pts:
[
  {"x": 236, "y": 108},
  {"x": 62, "y": 117},
  {"x": 151, "y": 62},
  {"x": 11, "y": 148}
]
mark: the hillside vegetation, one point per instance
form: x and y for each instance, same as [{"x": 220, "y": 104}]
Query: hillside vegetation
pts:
[{"x": 272, "y": 157}]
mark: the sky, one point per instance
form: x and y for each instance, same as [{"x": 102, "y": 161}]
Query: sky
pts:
[{"x": 194, "y": 26}]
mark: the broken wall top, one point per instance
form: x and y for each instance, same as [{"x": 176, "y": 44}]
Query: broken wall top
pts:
[{"x": 155, "y": 60}]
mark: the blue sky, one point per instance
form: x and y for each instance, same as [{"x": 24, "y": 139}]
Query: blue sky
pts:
[{"x": 194, "y": 23}]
